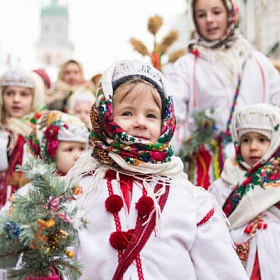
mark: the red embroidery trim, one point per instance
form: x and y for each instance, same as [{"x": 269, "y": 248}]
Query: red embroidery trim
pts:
[
  {"x": 139, "y": 267},
  {"x": 195, "y": 53},
  {"x": 125, "y": 189},
  {"x": 116, "y": 216},
  {"x": 207, "y": 217},
  {"x": 16, "y": 158},
  {"x": 143, "y": 233}
]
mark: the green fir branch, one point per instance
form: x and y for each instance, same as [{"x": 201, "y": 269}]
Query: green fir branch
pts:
[{"x": 38, "y": 228}]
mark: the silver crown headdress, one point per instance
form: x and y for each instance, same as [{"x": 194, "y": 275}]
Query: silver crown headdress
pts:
[
  {"x": 17, "y": 77},
  {"x": 127, "y": 68}
]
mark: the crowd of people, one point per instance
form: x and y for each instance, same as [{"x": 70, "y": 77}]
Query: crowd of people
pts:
[{"x": 183, "y": 190}]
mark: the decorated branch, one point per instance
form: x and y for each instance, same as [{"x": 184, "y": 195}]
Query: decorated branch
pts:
[
  {"x": 204, "y": 133},
  {"x": 39, "y": 227},
  {"x": 160, "y": 48}
]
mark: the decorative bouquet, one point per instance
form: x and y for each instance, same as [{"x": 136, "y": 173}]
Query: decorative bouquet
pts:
[
  {"x": 38, "y": 228},
  {"x": 204, "y": 133},
  {"x": 154, "y": 24}
]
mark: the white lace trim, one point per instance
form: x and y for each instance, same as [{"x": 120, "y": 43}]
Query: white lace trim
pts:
[{"x": 135, "y": 67}]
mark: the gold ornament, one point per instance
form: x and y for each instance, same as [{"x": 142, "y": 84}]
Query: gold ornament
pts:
[
  {"x": 77, "y": 189},
  {"x": 42, "y": 225},
  {"x": 70, "y": 254}
]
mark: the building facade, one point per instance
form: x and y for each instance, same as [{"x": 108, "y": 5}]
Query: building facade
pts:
[{"x": 54, "y": 46}]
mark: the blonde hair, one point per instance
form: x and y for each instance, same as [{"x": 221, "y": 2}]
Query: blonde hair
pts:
[{"x": 141, "y": 93}]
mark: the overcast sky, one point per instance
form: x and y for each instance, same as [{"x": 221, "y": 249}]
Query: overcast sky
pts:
[{"x": 99, "y": 30}]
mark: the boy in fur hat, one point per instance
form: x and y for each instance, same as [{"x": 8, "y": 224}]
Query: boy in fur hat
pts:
[{"x": 249, "y": 189}]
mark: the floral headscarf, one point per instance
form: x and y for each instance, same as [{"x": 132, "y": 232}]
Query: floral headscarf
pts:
[
  {"x": 52, "y": 127},
  {"x": 109, "y": 137},
  {"x": 231, "y": 34}
]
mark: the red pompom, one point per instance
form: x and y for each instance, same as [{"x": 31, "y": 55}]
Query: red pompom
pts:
[
  {"x": 119, "y": 240},
  {"x": 144, "y": 206},
  {"x": 114, "y": 203}
]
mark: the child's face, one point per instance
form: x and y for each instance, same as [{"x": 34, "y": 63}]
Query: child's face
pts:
[
  {"x": 67, "y": 154},
  {"x": 253, "y": 147},
  {"x": 141, "y": 120},
  {"x": 211, "y": 19},
  {"x": 82, "y": 111},
  {"x": 17, "y": 101},
  {"x": 72, "y": 74}
]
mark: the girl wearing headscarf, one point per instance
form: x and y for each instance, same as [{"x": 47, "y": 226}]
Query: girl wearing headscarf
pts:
[
  {"x": 21, "y": 104},
  {"x": 70, "y": 79},
  {"x": 249, "y": 190},
  {"x": 59, "y": 138},
  {"x": 80, "y": 104},
  {"x": 145, "y": 220},
  {"x": 220, "y": 73}
]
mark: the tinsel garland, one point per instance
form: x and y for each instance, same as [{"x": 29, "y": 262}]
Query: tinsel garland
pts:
[{"x": 39, "y": 226}]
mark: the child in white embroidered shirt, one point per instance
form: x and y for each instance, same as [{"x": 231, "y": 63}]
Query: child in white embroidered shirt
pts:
[
  {"x": 248, "y": 189},
  {"x": 145, "y": 219}
]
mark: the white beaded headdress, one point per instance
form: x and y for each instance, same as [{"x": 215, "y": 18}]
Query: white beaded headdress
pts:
[
  {"x": 262, "y": 118},
  {"x": 126, "y": 69},
  {"x": 17, "y": 77},
  {"x": 254, "y": 121}
]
